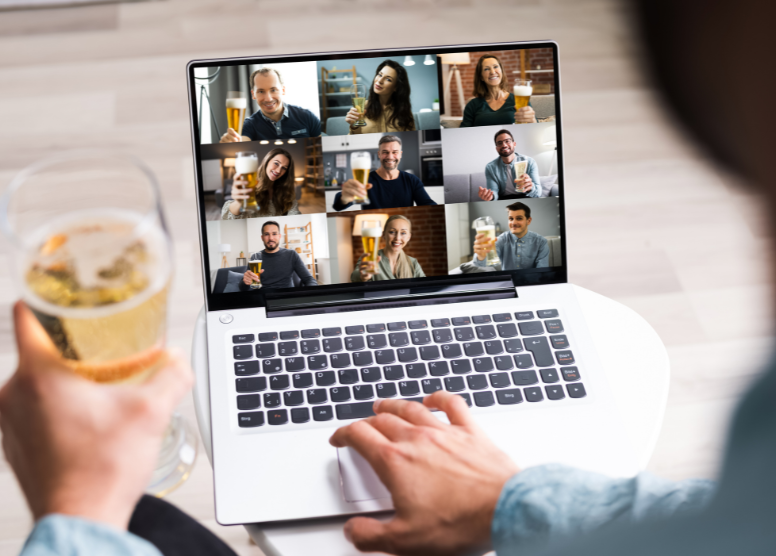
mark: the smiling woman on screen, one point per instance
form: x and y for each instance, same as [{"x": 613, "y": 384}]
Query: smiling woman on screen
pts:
[{"x": 392, "y": 261}]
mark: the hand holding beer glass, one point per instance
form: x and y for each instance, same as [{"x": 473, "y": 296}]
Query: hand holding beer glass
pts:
[
  {"x": 371, "y": 232},
  {"x": 255, "y": 274},
  {"x": 354, "y": 191},
  {"x": 236, "y": 104},
  {"x": 355, "y": 116},
  {"x": 485, "y": 240},
  {"x": 522, "y": 91},
  {"x": 246, "y": 178},
  {"x": 522, "y": 181}
]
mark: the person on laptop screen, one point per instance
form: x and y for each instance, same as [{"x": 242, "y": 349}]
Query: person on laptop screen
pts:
[
  {"x": 275, "y": 119},
  {"x": 501, "y": 179},
  {"x": 518, "y": 248},
  {"x": 392, "y": 262},
  {"x": 388, "y": 106},
  {"x": 279, "y": 265},
  {"x": 388, "y": 186},
  {"x": 493, "y": 102},
  {"x": 274, "y": 192}
]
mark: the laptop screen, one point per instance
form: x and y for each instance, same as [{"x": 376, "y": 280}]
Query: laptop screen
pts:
[{"x": 345, "y": 172}]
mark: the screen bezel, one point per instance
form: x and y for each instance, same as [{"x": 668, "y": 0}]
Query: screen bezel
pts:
[{"x": 255, "y": 299}]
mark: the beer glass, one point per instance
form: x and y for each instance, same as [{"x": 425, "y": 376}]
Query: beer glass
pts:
[
  {"x": 520, "y": 168},
  {"x": 522, "y": 91},
  {"x": 361, "y": 164},
  {"x": 92, "y": 259},
  {"x": 246, "y": 164},
  {"x": 485, "y": 226},
  {"x": 236, "y": 104},
  {"x": 255, "y": 267},
  {"x": 371, "y": 232},
  {"x": 358, "y": 97}
]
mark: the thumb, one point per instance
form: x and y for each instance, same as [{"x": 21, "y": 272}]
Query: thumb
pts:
[
  {"x": 368, "y": 535},
  {"x": 31, "y": 339},
  {"x": 369, "y": 186}
]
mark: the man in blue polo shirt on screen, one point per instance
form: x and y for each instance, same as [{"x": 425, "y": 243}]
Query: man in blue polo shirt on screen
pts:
[
  {"x": 274, "y": 119},
  {"x": 388, "y": 186}
]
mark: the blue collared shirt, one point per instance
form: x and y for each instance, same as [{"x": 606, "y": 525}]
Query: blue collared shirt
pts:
[
  {"x": 295, "y": 123},
  {"x": 496, "y": 176},
  {"x": 529, "y": 251}
]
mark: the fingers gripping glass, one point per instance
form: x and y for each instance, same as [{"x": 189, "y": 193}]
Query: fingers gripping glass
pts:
[
  {"x": 486, "y": 227},
  {"x": 358, "y": 98},
  {"x": 522, "y": 92},
  {"x": 246, "y": 165},
  {"x": 361, "y": 164}
]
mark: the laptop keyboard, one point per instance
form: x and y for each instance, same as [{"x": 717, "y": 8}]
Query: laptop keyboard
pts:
[{"x": 289, "y": 377}]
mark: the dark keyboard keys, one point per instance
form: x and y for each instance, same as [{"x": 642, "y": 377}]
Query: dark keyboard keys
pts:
[
  {"x": 524, "y": 315},
  {"x": 354, "y": 343},
  {"x": 485, "y": 332},
  {"x": 325, "y": 378},
  {"x": 438, "y": 368},
  {"x": 271, "y": 366},
  {"x": 371, "y": 374},
  {"x": 243, "y": 352},
  {"x": 420, "y": 337},
  {"x": 253, "y": 384},
  {"x": 559, "y": 342},
  {"x": 348, "y": 376},
  {"x": 393, "y": 372},
  {"x": 265, "y": 350},
  {"x": 279, "y": 382},
  {"x": 416, "y": 370},
  {"x": 358, "y": 329},
  {"x": 576, "y": 390},
  {"x": 464, "y": 334},
  {"x": 332, "y": 345},
  {"x": 509, "y": 397},
  {"x": 289, "y": 335},
  {"x": 542, "y": 353},
  {"x": 484, "y": 399},
  {"x": 451, "y": 351},
  {"x": 524, "y": 361},
  {"x": 504, "y": 363},
  {"x": 416, "y": 324},
  {"x": 249, "y": 420},
  {"x": 268, "y": 336},
  {"x": 340, "y": 394},
  {"x": 376, "y": 341},
  {"x": 554, "y": 326},
  {"x": 483, "y": 364},
  {"x": 323, "y": 413},
  {"x": 461, "y": 366},
  {"x": 508, "y": 330},
  {"x": 354, "y": 410},
  {"x": 300, "y": 415},
  {"x": 362, "y": 358},
  {"x": 386, "y": 390},
  {"x": 494, "y": 347},
  {"x": 533, "y": 394},
  {"x": 570, "y": 374},
  {"x": 564, "y": 357},
  {"x": 442, "y": 335},
  {"x": 513, "y": 346},
  {"x": 396, "y": 326},
  {"x": 375, "y": 328},
  {"x": 461, "y": 321},
  {"x": 531, "y": 328},
  {"x": 363, "y": 392},
  {"x": 340, "y": 360},
  {"x": 294, "y": 364},
  {"x": 317, "y": 362},
  {"x": 524, "y": 378},
  {"x": 243, "y": 339},
  {"x": 439, "y": 323},
  {"x": 481, "y": 319},
  {"x": 555, "y": 392},
  {"x": 294, "y": 397},
  {"x": 303, "y": 380},
  {"x": 547, "y": 314},
  {"x": 271, "y": 399},
  {"x": 310, "y": 346},
  {"x": 311, "y": 333},
  {"x": 466, "y": 397},
  {"x": 473, "y": 349},
  {"x": 334, "y": 331},
  {"x": 477, "y": 382},
  {"x": 408, "y": 355},
  {"x": 246, "y": 368},
  {"x": 385, "y": 356},
  {"x": 549, "y": 375},
  {"x": 288, "y": 348},
  {"x": 502, "y": 317},
  {"x": 398, "y": 339},
  {"x": 316, "y": 396},
  {"x": 454, "y": 384},
  {"x": 429, "y": 353},
  {"x": 409, "y": 388},
  {"x": 248, "y": 401},
  {"x": 431, "y": 385},
  {"x": 499, "y": 380}
]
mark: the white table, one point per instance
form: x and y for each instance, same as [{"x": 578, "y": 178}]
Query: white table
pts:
[{"x": 643, "y": 383}]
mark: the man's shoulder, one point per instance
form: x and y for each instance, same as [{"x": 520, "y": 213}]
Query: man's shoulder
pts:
[
  {"x": 539, "y": 238},
  {"x": 493, "y": 164},
  {"x": 410, "y": 177},
  {"x": 300, "y": 112},
  {"x": 255, "y": 117}
]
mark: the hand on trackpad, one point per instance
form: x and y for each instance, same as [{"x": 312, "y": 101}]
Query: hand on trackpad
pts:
[{"x": 359, "y": 481}]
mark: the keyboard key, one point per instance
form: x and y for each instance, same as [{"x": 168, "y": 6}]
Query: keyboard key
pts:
[
  {"x": 249, "y": 420},
  {"x": 265, "y": 350},
  {"x": 348, "y": 376},
  {"x": 408, "y": 355},
  {"x": 420, "y": 337},
  {"x": 542, "y": 353},
  {"x": 504, "y": 363},
  {"x": 310, "y": 346},
  {"x": 317, "y": 362},
  {"x": 246, "y": 368},
  {"x": 531, "y": 328},
  {"x": 294, "y": 397},
  {"x": 438, "y": 368},
  {"x": 416, "y": 324},
  {"x": 354, "y": 410},
  {"x": 431, "y": 385},
  {"x": 438, "y": 323},
  {"x": 358, "y": 329},
  {"x": 466, "y": 397},
  {"x": 340, "y": 360},
  {"x": 332, "y": 345},
  {"x": 316, "y": 396},
  {"x": 243, "y": 339},
  {"x": 326, "y": 378},
  {"x": 509, "y": 397},
  {"x": 533, "y": 394},
  {"x": 547, "y": 314},
  {"x": 279, "y": 382},
  {"x": 409, "y": 388},
  {"x": 429, "y": 353},
  {"x": 483, "y": 364},
  {"x": 576, "y": 390},
  {"x": 502, "y": 317},
  {"x": 513, "y": 346},
  {"x": 464, "y": 334},
  {"x": 323, "y": 413},
  {"x": 289, "y": 335},
  {"x": 554, "y": 326},
  {"x": 271, "y": 399},
  {"x": 288, "y": 348},
  {"x": 243, "y": 352},
  {"x": 481, "y": 319},
  {"x": 454, "y": 384},
  {"x": 354, "y": 343},
  {"x": 398, "y": 339},
  {"x": 477, "y": 382},
  {"x": 294, "y": 364},
  {"x": 271, "y": 366},
  {"x": 570, "y": 374},
  {"x": 375, "y": 328},
  {"x": 451, "y": 351},
  {"x": 335, "y": 331},
  {"x": 393, "y": 372},
  {"x": 555, "y": 392},
  {"x": 385, "y": 356},
  {"x": 303, "y": 380},
  {"x": 524, "y": 378},
  {"x": 461, "y": 321},
  {"x": 564, "y": 357},
  {"x": 484, "y": 399},
  {"x": 268, "y": 336},
  {"x": 248, "y": 401},
  {"x": 340, "y": 394},
  {"x": 461, "y": 366},
  {"x": 311, "y": 333},
  {"x": 524, "y": 361},
  {"x": 524, "y": 315},
  {"x": 442, "y": 336},
  {"x": 473, "y": 349},
  {"x": 363, "y": 392},
  {"x": 371, "y": 374},
  {"x": 508, "y": 330},
  {"x": 300, "y": 415},
  {"x": 549, "y": 375},
  {"x": 362, "y": 358},
  {"x": 386, "y": 390},
  {"x": 254, "y": 384},
  {"x": 396, "y": 326},
  {"x": 376, "y": 341},
  {"x": 416, "y": 370},
  {"x": 499, "y": 380},
  {"x": 485, "y": 332},
  {"x": 559, "y": 342},
  {"x": 494, "y": 347}
]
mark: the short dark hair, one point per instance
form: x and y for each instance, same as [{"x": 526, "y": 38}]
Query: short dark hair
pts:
[
  {"x": 389, "y": 139},
  {"x": 520, "y": 206},
  {"x": 269, "y": 223},
  {"x": 502, "y": 132}
]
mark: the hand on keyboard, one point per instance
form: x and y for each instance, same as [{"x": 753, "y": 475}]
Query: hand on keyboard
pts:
[{"x": 445, "y": 480}]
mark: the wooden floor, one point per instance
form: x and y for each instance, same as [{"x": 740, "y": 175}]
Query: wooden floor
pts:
[{"x": 651, "y": 223}]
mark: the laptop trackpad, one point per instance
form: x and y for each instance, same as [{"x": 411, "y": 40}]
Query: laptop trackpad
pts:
[{"x": 359, "y": 481}]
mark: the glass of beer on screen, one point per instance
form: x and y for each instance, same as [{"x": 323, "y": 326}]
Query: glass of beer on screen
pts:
[
  {"x": 94, "y": 264},
  {"x": 520, "y": 167},
  {"x": 246, "y": 164},
  {"x": 522, "y": 91},
  {"x": 371, "y": 232},
  {"x": 361, "y": 164},
  {"x": 358, "y": 98},
  {"x": 485, "y": 226},
  {"x": 236, "y": 105},
  {"x": 255, "y": 267}
]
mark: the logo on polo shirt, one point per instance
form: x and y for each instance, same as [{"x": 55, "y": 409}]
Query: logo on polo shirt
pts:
[{"x": 298, "y": 131}]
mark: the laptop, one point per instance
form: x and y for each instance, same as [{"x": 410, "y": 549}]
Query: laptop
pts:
[{"x": 347, "y": 204}]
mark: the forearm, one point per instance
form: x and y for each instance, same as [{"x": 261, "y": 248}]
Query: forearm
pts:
[
  {"x": 338, "y": 204},
  {"x": 547, "y": 502}
]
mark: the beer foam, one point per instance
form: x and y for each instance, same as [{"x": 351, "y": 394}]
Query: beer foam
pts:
[
  {"x": 246, "y": 165},
  {"x": 361, "y": 163},
  {"x": 522, "y": 91},
  {"x": 240, "y": 103},
  {"x": 371, "y": 232}
]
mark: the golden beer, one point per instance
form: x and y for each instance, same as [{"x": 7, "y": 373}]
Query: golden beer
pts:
[
  {"x": 520, "y": 168},
  {"x": 361, "y": 175},
  {"x": 255, "y": 267},
  {"x": 371, "y": 244},
  {"x": 235, "y": 113},
  {"x": 522, "y": 92},
  {"x": 247, "y": 166},
  {"x": 361, "y": 164},
  {"x": 359, "y": 103}
]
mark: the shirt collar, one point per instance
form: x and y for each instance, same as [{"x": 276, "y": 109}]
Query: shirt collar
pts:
[{"x": 273, "y": 122}]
